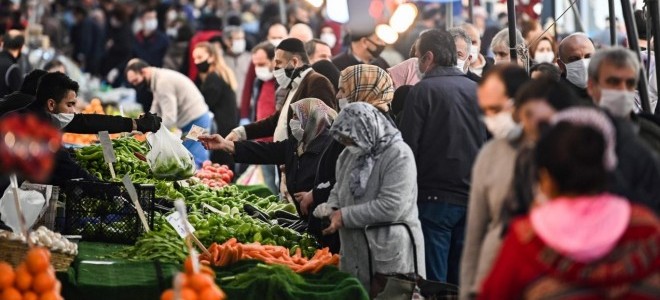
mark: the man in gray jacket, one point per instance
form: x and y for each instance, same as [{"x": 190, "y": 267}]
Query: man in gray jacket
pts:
[
  {"x": 441, "y": 124},
  {"x": 176, "y": 99}
]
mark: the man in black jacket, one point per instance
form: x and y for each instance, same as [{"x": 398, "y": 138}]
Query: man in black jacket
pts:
[
  {"x": 440, "y": 122},
  {"x": 23, "y": 97},
  {"x": 11, "y": 75},
  {"x": 575, "y": 51},
  {"x": 364, "y": 49}
]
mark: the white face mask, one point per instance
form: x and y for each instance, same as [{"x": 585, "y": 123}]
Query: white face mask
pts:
[
  {"x": 460, "y": 64},
  {"x": 544, "y": 57},
  {"x": 238, "y": 46},
  {"x": 329, "y": 38},
  {"x": 342, "y": 103},
  {"x": 296, "y": 129},
  {"x": 355, "y": 150},
  {"x": 263, "y": 73},
  {"x": 150, "y": 25},
  {"x": 576, "y": 72},
  {"x": 172, "y": 32},
  {"x": 617, "y": 102},
  {"x": 275, "y": 42},
  {"x": 500, "y": 124},
  {"x": 280, "y": 76},
  {"x": 474, "y": 52}
]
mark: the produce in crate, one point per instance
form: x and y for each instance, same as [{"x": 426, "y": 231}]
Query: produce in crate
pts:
[
  {"x": 231, "y": 251},
  {"x": 45, "y": 238},
  {"x": 214, "y": 175},
  {"x": 195, "y": 285},
  {"x": 34, "y": 278}
]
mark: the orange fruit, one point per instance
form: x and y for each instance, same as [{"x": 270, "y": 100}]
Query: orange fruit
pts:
[
  {"x": 50, "y": 295},
  {"x": 188, "y": 265},
  {"x": 7, "y": 275},
  {"x": 43, "y": 282},
  {"x": 200, "y": 281},
  {"x": 183, "y": 278},
  {"x": 212, "y": 293},
  {"x": 167, "y": 295},
  {"x": 207, "y": 270},
  {"x": 11, "y": 294},
  {"x": 37, "y": 260},
  {"x": 23, "y": 278},
  {"x": 30, "y": 296},
  {"x": 188, "y": 294}
]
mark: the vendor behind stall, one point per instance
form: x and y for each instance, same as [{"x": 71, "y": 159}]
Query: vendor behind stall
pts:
[{"x": 309, "y": 124}]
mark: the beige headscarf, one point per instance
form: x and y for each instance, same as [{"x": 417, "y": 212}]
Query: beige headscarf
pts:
[{"x": 367, "y": 83}]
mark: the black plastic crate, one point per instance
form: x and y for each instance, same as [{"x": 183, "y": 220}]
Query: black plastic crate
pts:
[{"x": 104, "y": 212}]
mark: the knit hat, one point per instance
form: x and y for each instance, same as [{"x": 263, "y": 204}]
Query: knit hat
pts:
[{"x": 292, "y": 45}]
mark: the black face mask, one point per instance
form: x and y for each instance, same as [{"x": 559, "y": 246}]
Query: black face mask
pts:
[
  {"x": 203, "y": 67},
  {"x": 379, "y": 49}
]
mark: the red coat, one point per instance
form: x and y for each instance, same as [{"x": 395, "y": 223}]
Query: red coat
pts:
[{"x": 528, "y": 269}]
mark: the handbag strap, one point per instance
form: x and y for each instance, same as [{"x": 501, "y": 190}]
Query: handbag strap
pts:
[{"x": 389, "y": 224}]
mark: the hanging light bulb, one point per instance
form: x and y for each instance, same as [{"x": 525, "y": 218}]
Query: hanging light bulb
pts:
[
  {"x": 338, "y": 10},
  {"x": 386, "y": 34},
  {"x": 403, "y": 17},
  {"x": 315, "y": 3}
]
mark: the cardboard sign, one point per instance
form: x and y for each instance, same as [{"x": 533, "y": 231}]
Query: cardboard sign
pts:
[
  {"x": 175, "y": 220},
  {"x": 195, "y": 132},
  {"x": 130, "y": 188},
  {"x": 106, "y": 144}
]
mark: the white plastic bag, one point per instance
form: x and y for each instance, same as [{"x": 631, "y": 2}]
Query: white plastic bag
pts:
[
  {"x": 168, "y": 158},
  {"x": 31, "y": 203}
]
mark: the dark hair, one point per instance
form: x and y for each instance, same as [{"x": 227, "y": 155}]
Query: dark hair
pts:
[
  {"x": 31, "y": 81},
  {"x": 441, "y": 44},
  {"x": 400, "y": 95},
  {"x": 521, "y": 195},
  {"x": 513, "y": 76},
  {"x": 535, "y": 44},
  {"x": 54, "y": 86},
  {"x": 267, "y": 47},
  {"x": 329, "y": 70},
  {"x": 640, "y": 21},
  {"x": 148, "y": 9},
  {"x": 136, "y": 65},
  {"x": 528, "y": 26},
  {"x": 547, "y": 90},
  {"x": 13, "y": 42},
  {"x": 548, "y": 70},
  {"x": 573, "y": 156},
  {"x": 211, "y": 22},
  {"x": 53, "y": 64},
  {"x": 355, "y": 37},
  {"x": 310, "y": 46}
]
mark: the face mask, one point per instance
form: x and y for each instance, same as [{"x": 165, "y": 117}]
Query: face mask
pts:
[
  {"x": 238, "y": 46},
  {"x": 474, "y": 52},
  {"x": 544, "y": 57},
  {"x": 296, "y": 129},
  {"x": 617, "y": 102},
  {"x": 275, "y": 42},
  {"x": 281, "y": 76},
  {"x": 329, "y": 38},
  {"x": 355, "y": 150},
  {"x": 263, "y": 73},
  {"x": 376, "y": 52},
  {"x": 342, "y": 103},
  {"x": 576, "y": 72},
  {"x": 203, "y": 67},
  {"x": 172, "y": 32},
  {"x": 460, "y": 64},
  {"x": 500, "y": 124},
  {"x": 150, "y": 25}
]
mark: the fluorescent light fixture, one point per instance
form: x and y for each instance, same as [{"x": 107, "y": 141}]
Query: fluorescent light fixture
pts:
[
  {"x": 403, "y": 17},
  {"x": 386, "y": 33}
]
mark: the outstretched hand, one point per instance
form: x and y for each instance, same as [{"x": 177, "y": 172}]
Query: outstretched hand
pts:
[{"x": 216, "y": 142}]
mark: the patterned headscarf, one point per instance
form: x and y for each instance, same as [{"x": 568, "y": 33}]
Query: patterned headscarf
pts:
[
  {"x": 367, "y": 83},
  {"x": 315, "y": 118},
  {"x": 597, "y": 120},
  {"x": 369, "y": 130}
]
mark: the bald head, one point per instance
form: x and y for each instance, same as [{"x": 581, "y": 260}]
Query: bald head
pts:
[
  {"x": 302, "y": 32},
  {"x": 575, "y": 47},
  {"x": 277, "y": 32}
]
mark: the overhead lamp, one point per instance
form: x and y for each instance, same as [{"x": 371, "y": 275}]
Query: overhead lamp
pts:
[
  {"x": 337, "y": 10},
  {"x": 403, "y": 17},
  {"x": 386, "y": 33}
]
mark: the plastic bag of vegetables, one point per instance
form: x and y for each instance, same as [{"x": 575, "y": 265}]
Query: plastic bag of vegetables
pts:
[{"x": 168, "y": 158}]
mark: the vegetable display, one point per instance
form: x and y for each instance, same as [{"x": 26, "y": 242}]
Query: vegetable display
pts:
[
  {"x": 231, "y": 251},
  {"x": 214, "y": 175}
]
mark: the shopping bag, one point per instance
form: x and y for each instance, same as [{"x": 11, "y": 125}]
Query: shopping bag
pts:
[
  {"x": 168, "y": 158},
  {"x": 32, "y": 202},
  {"x": 252, "y": 176}
]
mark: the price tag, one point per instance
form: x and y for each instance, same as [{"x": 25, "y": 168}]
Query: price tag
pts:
[
  {"x": 195, "y": 132},
  {"x": 212, "y": 209},
  {"x": 130, "y": 188},
  {"x": 175, "y": 220},
  {"x": 106, "y": 144}
]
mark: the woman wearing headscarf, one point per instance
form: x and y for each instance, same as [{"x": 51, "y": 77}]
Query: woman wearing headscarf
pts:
[
  {"x": 376, "y": 183},
  {"x": 366, "y": 83},
  {"x": 309, "y": 124}
]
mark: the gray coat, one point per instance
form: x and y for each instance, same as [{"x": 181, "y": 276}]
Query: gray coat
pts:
[{"x": 391, "y": 195}]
